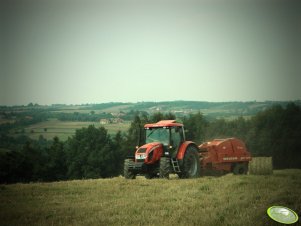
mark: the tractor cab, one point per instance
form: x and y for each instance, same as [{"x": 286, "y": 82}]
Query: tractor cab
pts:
[{"x": 167, "y": 132}]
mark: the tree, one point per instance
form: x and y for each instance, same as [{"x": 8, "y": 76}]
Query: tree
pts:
[
  {"x": 91, "y": 154},
  {"x": 156, "y": 117},
  {"x": 119, "y": 150},
  {"x": 32, "y": 166},
  {"x": 195, "y": 126},
  {"x": 276, "y": 132},
  {"x": 56, "y": 165},
  {"x": 169, "y": 116},
  {"x": 136, "y": 132},
  {"x": 11, "y": 166}
]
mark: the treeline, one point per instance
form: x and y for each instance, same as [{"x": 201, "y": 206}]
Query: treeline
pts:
[
  {"x": 81, "y": 117},
  {"x": 90, "y": 153},
  {"x": 20, "y": 119},
  {"x": 32, "y": 116},
  {"x": 93, "y": 153},
  {"x": 274, "y": 132},
  {"x": 92, "y": 116}
]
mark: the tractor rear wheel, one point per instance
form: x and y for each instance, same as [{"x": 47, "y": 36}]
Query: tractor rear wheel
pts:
[
  {"x": 191, "y": 163},
  {"x": 164, "y": 167},
  {"x": 240, "y": 168},
  {"x": 126, "y": 170}
]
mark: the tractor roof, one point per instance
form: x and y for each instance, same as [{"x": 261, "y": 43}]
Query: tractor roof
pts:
[{"x": 163, "y": 123}]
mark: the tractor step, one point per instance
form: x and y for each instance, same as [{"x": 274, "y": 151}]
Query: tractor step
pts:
[{"x": 175, "y": 165}]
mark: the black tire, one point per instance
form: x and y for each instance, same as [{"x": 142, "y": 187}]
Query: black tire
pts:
[
  {"x": 240, "y": 169},
  {"x": 191, "y": 163},
  {"x": 126, "y": 171},
  {"x": 164, "y": 167}
]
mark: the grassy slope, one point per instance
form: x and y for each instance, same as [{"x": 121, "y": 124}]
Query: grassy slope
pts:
[{"x": 226, "y": 200}]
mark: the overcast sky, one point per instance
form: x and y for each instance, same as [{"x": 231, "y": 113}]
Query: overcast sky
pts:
[{"x": 76, "y": 52}]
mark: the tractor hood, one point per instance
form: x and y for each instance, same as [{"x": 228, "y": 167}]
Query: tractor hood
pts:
[
  {"x": 150, "y": 145},
  {"x": 149, "y": 153}
]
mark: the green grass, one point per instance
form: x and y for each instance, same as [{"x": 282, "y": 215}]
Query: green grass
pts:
[
  {"x": 214, "y": 201},
  {"x": 65, "y": 129}
]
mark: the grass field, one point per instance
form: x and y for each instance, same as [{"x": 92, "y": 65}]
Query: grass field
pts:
[
  {"x": 214, "y": 201},
  {"x": 64, "y": 129}
]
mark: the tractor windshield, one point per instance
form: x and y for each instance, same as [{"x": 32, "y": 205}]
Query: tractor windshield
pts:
[{"x": 159, "y": 134}]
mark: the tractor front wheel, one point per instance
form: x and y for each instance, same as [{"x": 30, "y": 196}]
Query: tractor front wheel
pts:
[
  {"x": 164, "y": 167},
  {"x": 126, "y": 171},
  {"x": 191, "y": 163}
]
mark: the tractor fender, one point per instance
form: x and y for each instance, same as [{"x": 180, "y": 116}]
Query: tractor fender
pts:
[{"x": 183, "y": 148}]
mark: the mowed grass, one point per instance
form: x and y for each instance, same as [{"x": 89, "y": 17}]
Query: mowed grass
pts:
[
  {"x": 65, "y": 129},
  {"x": 214, "y": 201}
]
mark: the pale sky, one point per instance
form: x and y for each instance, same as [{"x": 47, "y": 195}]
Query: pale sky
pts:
[{"x": 75, "y": 52}]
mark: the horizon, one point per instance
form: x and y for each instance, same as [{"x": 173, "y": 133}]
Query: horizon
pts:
[{"x": 118, "y": 102}]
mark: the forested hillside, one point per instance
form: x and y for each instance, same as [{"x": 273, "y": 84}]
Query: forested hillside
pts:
[{"x": 93, "y": 153}]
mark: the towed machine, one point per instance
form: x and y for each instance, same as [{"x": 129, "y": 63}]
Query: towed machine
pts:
[
  {"x": 224, "y": 155},
  {"x": 166, "y": 151}
]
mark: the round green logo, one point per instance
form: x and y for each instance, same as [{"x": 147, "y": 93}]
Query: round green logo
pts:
[{"x": 282, "y": 214}]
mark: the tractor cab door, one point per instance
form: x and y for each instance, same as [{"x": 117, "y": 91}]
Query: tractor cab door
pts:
[{"x": 176, "y": 138}]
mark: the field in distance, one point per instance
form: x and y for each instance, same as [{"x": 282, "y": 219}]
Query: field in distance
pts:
[
  {"x": 65, "y": 129},
  {"x": 211, "y": 201}
]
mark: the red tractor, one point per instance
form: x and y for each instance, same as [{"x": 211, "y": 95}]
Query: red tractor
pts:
[{"x": 165, "y": 151}]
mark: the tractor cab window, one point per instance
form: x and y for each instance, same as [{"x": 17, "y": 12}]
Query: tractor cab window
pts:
[
  {"x": 176, "y": 137},
  {"x": 159, "y": 134}
]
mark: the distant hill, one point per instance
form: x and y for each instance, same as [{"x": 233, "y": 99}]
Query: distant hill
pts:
[{"x": 179, "y": 108}]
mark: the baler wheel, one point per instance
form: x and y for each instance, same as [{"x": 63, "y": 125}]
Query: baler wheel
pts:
[{"x": 240, "y": 169}]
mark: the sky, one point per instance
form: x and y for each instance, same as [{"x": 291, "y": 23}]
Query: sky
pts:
[{"x": 75, "y": 52}]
